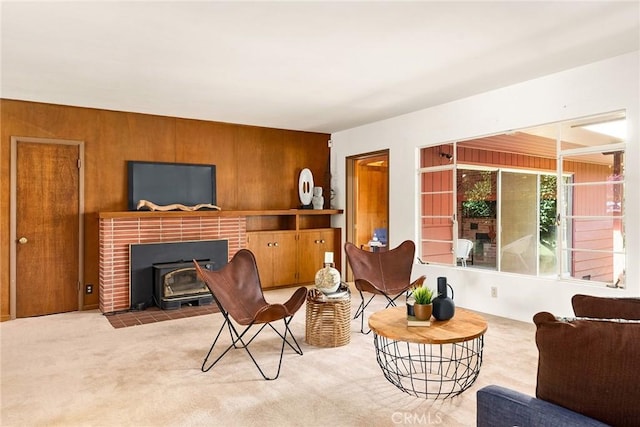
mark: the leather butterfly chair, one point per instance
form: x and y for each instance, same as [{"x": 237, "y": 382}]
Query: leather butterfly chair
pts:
[
  {"x": 238, "y": 293},
  {"x": 382, "y": 273}
]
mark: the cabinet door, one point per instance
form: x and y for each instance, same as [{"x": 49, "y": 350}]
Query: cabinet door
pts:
[
  {"x": 285, "y": 259},
  {"x": 261, "y": 244},
  {"x": 276, "y": 257},
  {"x": 311, "y": 248}
]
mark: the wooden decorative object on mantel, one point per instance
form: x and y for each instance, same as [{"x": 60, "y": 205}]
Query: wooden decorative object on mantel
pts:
[{"x": 174, "y": 206}]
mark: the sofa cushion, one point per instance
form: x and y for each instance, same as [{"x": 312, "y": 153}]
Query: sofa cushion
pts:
[
  {"x": 590, "y": 366},
  {"x": 606, "y": 308}
]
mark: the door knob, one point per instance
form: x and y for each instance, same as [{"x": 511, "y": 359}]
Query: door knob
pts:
[{"x": 22, "y": 240}]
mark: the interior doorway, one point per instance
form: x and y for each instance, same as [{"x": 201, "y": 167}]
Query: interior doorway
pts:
[
  {"x": 46, "y": 226},
  {"x": 367, "y": 198}
]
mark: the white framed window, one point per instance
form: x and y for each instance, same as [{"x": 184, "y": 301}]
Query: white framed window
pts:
[{"x": 544, "y": 201}]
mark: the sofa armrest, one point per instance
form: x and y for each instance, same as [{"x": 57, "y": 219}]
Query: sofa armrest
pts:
[{"x": 502, "y": 407}]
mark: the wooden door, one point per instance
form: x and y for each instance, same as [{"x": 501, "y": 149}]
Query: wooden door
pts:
[
  {"x": 47, "y": 224},
  {"x": 367, "y": 199}
]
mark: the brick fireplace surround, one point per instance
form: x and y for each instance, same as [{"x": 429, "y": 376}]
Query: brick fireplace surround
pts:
[{"x": 118, "y": 231}]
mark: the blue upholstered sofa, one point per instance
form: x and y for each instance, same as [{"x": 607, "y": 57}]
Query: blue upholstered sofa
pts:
[
  {"x": 587, "y": 371},
  {"x": 502, "y": 407}
]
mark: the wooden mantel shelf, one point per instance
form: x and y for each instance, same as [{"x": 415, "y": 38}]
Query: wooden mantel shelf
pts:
[
  {"x": 256, "y": 220},
  {"x": 222, "y": 213}
]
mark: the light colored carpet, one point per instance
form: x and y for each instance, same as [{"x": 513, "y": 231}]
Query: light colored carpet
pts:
[{"x": 75, "y": 369}]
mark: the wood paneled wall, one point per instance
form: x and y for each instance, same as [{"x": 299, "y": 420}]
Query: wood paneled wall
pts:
[
  {"x": 483, "y": 157},
  {"x": 257, "y": 168},
  {"x": 372, "y": 199}
]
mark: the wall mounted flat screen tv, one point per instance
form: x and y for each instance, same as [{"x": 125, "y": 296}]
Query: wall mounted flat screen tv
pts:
[{"x": 168, "y": 183}]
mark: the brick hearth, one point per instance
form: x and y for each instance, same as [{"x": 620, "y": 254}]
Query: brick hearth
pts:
[{"x": 116, "y": 234}]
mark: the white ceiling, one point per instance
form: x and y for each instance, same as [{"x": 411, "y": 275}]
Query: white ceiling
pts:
[{"x": 313, "y": 66}]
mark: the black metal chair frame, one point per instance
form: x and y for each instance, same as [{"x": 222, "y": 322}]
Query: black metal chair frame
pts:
[
  {"x": 391, "y": 302},
  {"x": 238, "y": 338}
]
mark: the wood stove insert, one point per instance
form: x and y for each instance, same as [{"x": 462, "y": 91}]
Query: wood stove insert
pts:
[
  {"x": 177, "y": 283},
  {"x": 149, "y": 260}
]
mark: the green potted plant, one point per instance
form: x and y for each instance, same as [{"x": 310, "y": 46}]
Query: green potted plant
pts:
[{"x": 422, "y": 307}]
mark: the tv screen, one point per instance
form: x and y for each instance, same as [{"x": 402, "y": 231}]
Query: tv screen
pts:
[{"x": 168, "y": 183}]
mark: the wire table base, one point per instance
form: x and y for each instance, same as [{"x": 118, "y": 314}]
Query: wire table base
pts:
[
  {"x": 436, "y": 371},
  {"x": 434, "y": 361}
]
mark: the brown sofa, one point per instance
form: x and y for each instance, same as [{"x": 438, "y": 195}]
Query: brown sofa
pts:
[{"x": 587, "y": 370}]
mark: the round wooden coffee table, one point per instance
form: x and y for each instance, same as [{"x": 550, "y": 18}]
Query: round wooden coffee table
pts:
[{"x": 437, "y": 361}]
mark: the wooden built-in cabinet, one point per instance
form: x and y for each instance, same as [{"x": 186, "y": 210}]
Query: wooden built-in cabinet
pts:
[{"x": 289, "y": 246}]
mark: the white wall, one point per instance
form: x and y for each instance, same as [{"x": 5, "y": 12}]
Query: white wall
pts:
[{"x": 600, "y": 87}]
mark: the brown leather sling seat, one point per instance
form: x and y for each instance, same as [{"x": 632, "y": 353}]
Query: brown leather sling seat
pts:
[
  {"x": 386, "y": 273},
  {"x": 237, "y": 291}
]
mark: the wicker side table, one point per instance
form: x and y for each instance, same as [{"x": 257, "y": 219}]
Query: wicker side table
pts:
[{"x": 328, "y": 320}]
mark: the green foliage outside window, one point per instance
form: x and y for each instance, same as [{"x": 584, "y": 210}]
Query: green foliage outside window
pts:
[
  {"x": 548, "y": 208},
  {"x": 477, "y": 188},
  {"x": 479, "y": 209}
]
